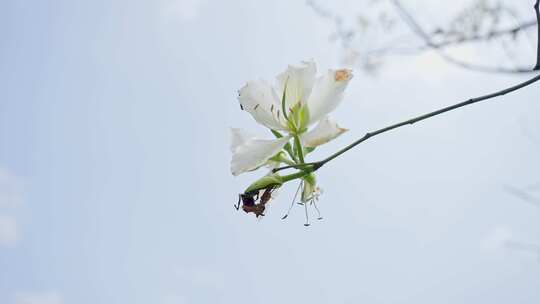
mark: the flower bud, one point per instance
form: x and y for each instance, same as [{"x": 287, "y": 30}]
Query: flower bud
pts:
[
  {"x": 268, "y": 181},
  {"x": 311, "y": 190}
]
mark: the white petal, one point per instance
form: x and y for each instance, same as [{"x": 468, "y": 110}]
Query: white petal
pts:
[
  {"x": 299, "y": 80},
  {"x": 253, "y": 153},
  {"x": 259, "y": 99},
  {"x": 324, "y": 132},
  {"x": 239, "y": 137},
  {"x": 327, "y": 93}
]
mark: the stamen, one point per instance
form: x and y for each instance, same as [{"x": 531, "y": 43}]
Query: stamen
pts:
[
  {"x": 316, "y": 208},
  {"x": 305, "y": 208},
  {"x": 342, "y": 75},
  {"x": 256, "y": 106},
  {"x": 292, "y": 203},
  {"x": 307, "y": 216},
  {"x": 237, "y": 206}
]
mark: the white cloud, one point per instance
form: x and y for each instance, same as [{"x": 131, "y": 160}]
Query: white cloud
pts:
[
  {"x": 10, "y": 197},
  {"x": 39, "y": 298},
  {"x": 10, "y": 189},
  {"x": 9, "y": 232},
  {"x": 202, "y": 276},
  {"x": 184, "y": 10},
  {"x": 497, "y": 238},
  {"x": 174, "y": 299}
]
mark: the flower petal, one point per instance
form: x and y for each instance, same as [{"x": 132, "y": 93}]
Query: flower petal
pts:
[
  {"x": 325, "y": 131},
  {"x": 251, "y": 153},
  {"x": 299, "y": 80},
  {"x": 327, "y": 93},
  {"x": 260, "y": 100},
  {"x": 239, "y": 137}
]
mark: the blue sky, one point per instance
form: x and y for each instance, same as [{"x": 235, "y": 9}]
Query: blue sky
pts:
[{"x": 114, "y": 166}]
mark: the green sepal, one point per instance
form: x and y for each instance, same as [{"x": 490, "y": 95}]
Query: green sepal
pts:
[
  {"x": 309, "y": 149},
  {"x": 269, "y": 181},
  {"x": 276, "y": 133},
  {"x": 281, "y": 157},
  {"x": 287, "y": 146}
]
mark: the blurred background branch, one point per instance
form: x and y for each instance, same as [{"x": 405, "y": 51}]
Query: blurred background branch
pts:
[
  {"x": 523, "y": 246},
  {"x": 525, "y": 195},
  {"x": 383, "y": 29}
]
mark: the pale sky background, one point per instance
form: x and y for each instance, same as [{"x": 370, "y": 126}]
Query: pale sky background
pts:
[{"x": 114, "y": 165}]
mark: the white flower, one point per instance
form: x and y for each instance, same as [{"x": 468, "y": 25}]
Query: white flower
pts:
[
  {"x": 323, "y": 132},
  {"x": 249, "y": 152},
  {"x": 307, "y": 100}
]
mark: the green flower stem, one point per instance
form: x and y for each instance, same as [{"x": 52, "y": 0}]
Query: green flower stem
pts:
[
  {"x": 289, "y": 151},
  {"x": 287, "y": 146},
  {"x": 275, "y": 180},
  {"x": 282, "y": 157},
  {"x": 293, "y": 176},
  {"x": 299, "y": 149}
]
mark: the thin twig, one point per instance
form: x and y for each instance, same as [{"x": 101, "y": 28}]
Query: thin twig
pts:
[
  {"x": 316, "y": 165},
  {"x": 404, "y": 51},
  {"x": 419, "y": 31},
  {"x": 523, "y": 195},
  {"x": 528, "y": 247},
  {"x": 430, "y": 43},
  {"x": 483, "y": 68},
  {"x": 488, "y": 36},
  {"x": 537, "y": 10},
  {"x": 451, "y": 42}
]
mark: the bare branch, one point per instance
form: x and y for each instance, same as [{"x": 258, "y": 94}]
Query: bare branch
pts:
[
  {"x": 537, "y": 10},
  {"x": 316, "y": 165},
  {"x": 523, "y": 195},
  {"x": 512, "y": 31},
  {"x": 420, "y": 32},
  {"x": 438, "y": 40},
  {"x": 521, "y": 246}
]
